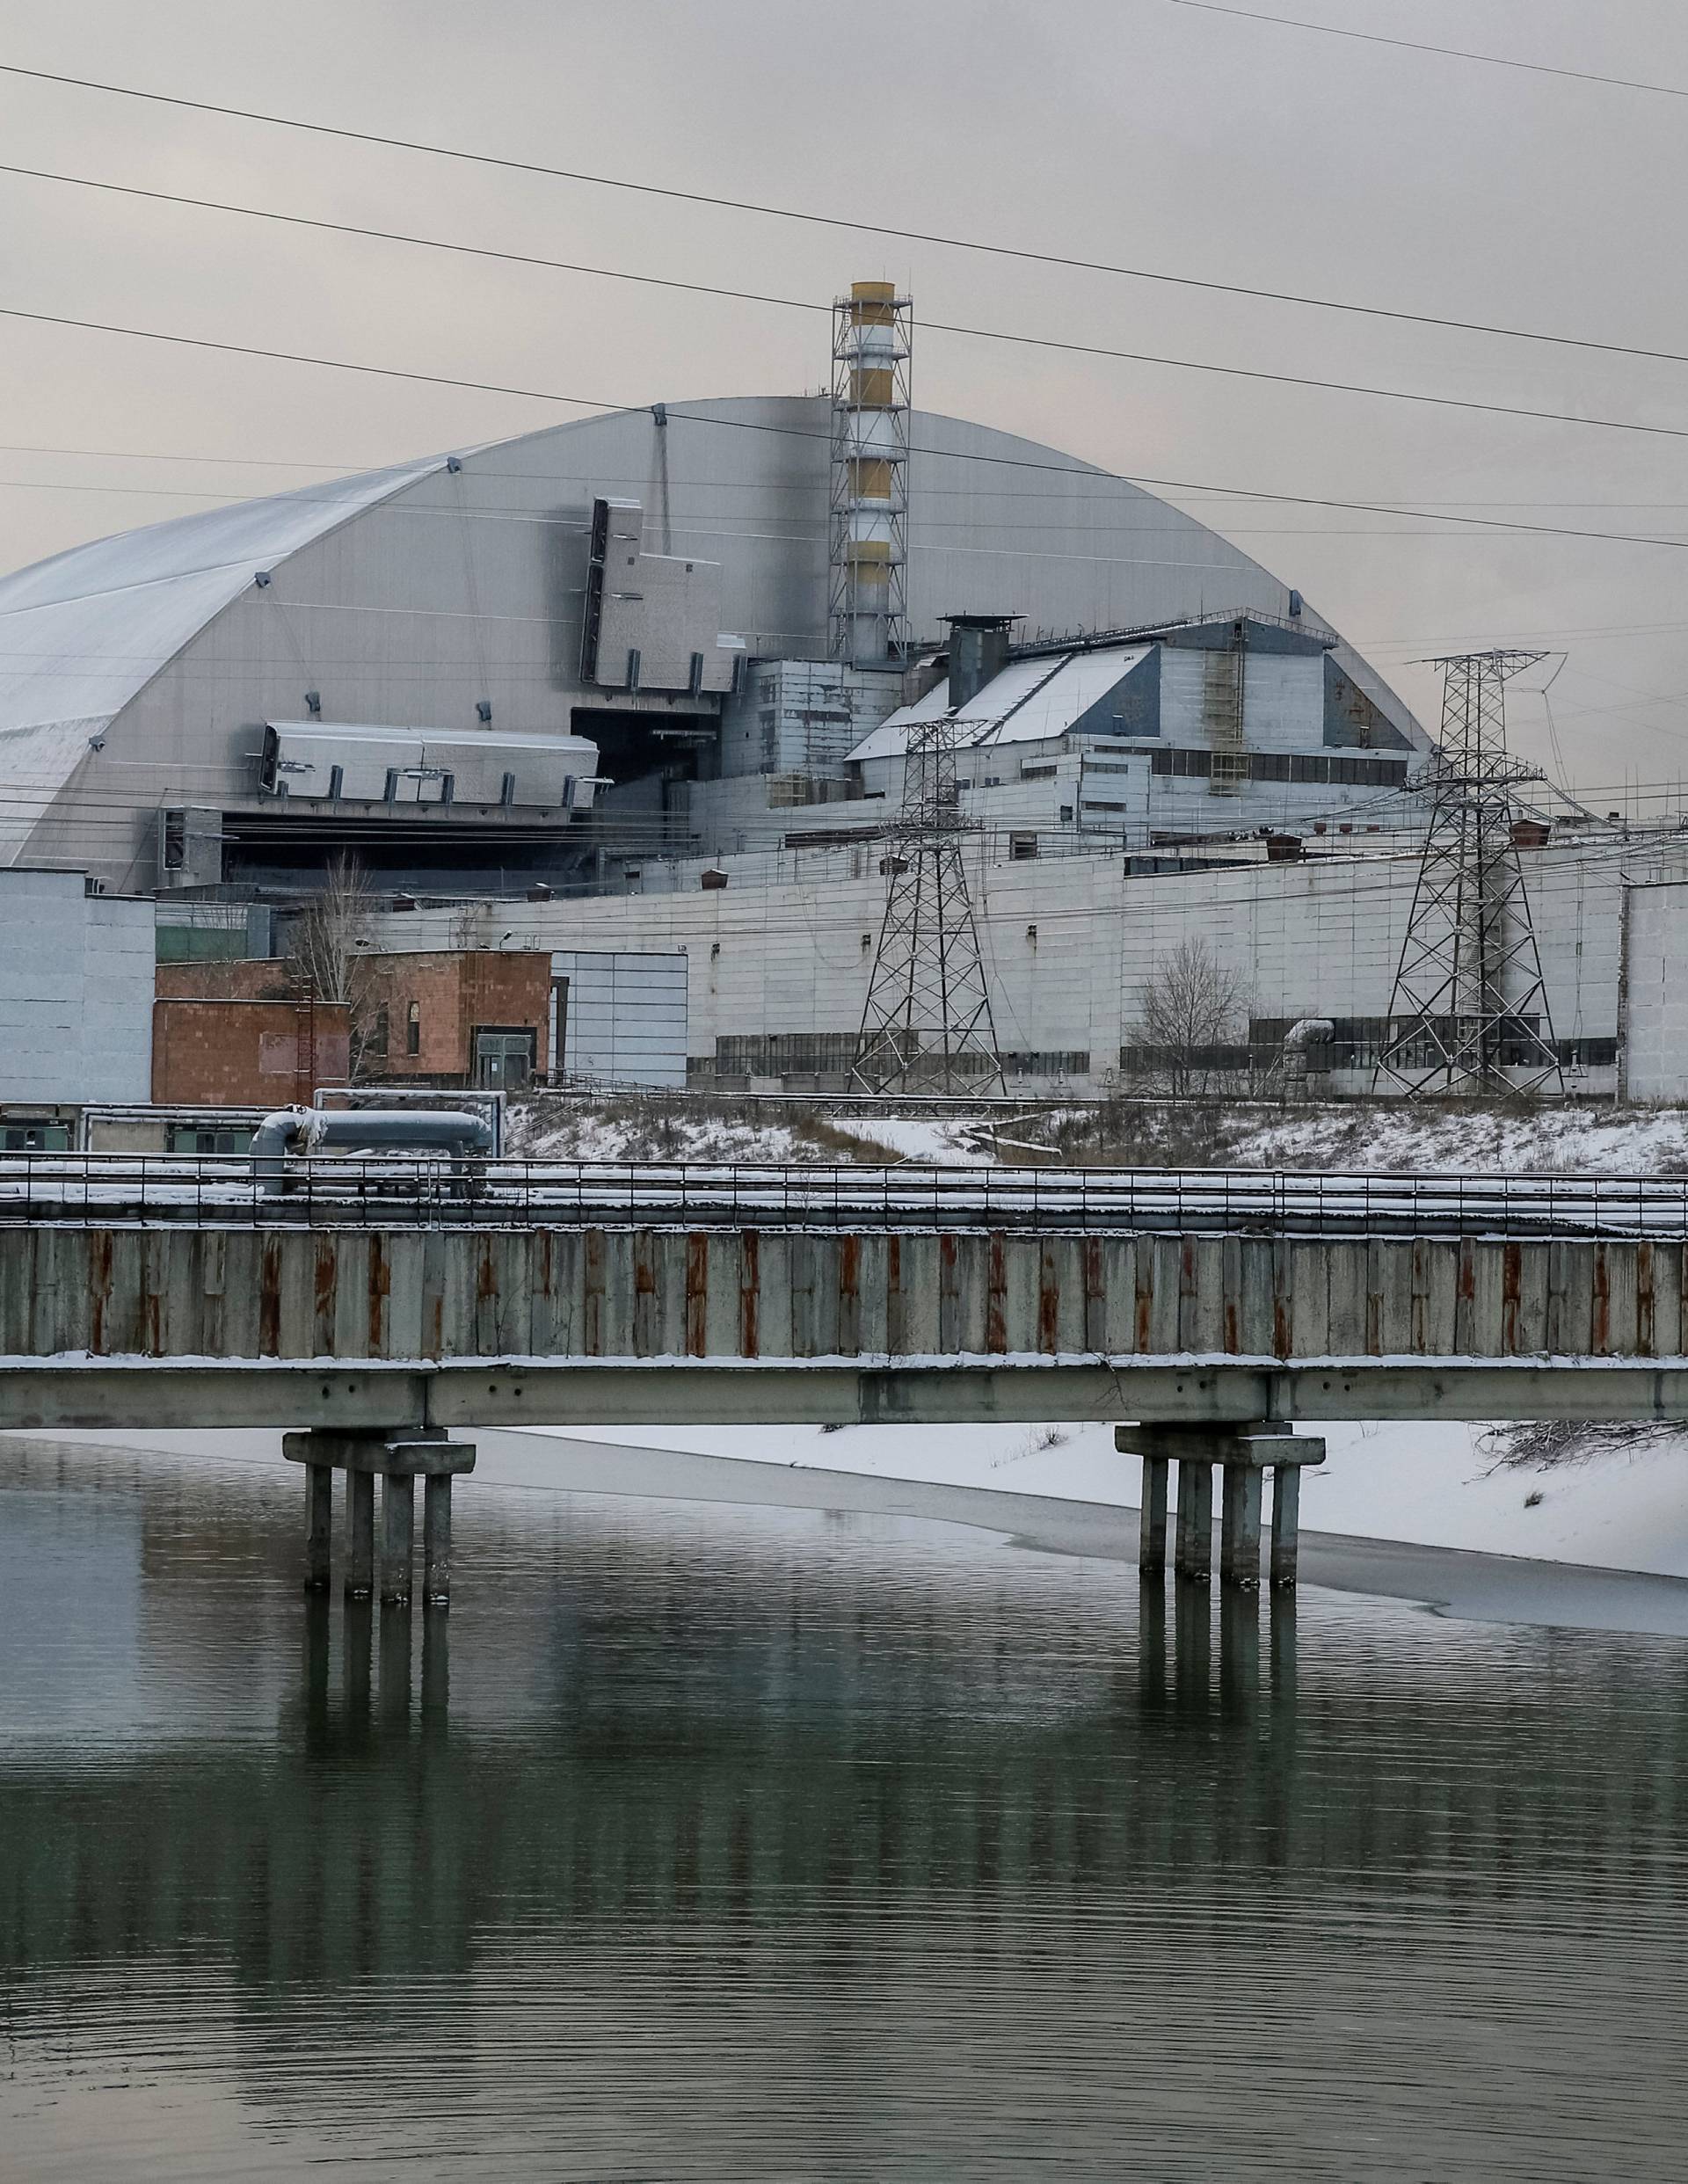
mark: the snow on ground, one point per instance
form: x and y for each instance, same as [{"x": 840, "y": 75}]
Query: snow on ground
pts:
[
  {"x": 942, "y": 1141},
  {"x": 1434, "y": 1484},
  {"x": 1574, "y": 1140},
  {"x": 588, "y": 1135},
  {"x": 1356, "y": 1136}
]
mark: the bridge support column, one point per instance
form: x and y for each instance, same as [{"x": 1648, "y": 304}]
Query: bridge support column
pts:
[
  {"x": 1240, "y": 1528},
  {"x": 319, "y": 1525},
  {"x": 397, "y": 1527},
  {"x": 1152, "y": 1545},
  {"x": 1286, "y": 1520},
  {"x": 361, "y": 1535},
  {"x": 436, "y": 1538},
  {"x": 1242, "y": 1453},
  {"x": 398, "y": 1460},
  {"x": 1193, "y": 1557}
]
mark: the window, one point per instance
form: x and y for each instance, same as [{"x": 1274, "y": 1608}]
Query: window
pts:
[
  {"x": 206, "y": 1139},
  {"x": 34, "y": 1137},
  {"x": 413, "y": 1028},
  {"x": 504, "y": 1059},
  {"x": 378, "y": 1032}
]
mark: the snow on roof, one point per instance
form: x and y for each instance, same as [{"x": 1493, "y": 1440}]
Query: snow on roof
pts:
[
  {"x": 1030, "y": 702},
  {"x": 81, "y": 633}
]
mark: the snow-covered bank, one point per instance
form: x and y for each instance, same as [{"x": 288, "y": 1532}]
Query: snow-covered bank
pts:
[{"x": 1428, "y": 1484}]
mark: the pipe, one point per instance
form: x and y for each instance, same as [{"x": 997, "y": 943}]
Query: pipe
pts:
[{"x": 302, "y": 1130}]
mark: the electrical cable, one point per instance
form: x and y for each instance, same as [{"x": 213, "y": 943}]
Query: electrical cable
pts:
[
  {"x": 928, "y": 326},
  {"x": 1451, "y": 53},
  {"x": 831, "y": 220},
  {"x": 1065, "y": 469}
]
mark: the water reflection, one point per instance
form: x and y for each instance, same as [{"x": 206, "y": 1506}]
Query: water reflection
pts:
[{"x": 727, "y": 1843}]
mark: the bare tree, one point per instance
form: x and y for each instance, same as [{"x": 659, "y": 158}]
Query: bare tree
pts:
[
  {"x": 1188, "y": 1014},
  {"x": 330, "y": 958}
]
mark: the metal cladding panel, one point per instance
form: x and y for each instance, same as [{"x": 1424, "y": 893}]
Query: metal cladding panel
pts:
[
  {"x": 302, "y": 760},
  {"x": 76, "y": 992},
  {"x": 1655, "y": 965},
  {"x": 626, "y": 1017}
]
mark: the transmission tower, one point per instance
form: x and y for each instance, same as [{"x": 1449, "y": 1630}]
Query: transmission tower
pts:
[
  {"x": 927, "y": 1026},
  {"x": 1469, "y": 1013}
]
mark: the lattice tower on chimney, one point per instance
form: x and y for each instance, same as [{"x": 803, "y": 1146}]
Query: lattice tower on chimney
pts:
[{"x": 873, "y": 330}]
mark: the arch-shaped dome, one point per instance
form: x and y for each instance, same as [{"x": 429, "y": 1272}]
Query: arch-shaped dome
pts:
[{"x": 140, "y": 670}]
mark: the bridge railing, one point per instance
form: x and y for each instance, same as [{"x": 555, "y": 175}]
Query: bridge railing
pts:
[{"x": 98, "y": 1188}]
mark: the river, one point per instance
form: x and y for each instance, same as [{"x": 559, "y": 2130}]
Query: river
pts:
[{"x": 706, "y": 1841}]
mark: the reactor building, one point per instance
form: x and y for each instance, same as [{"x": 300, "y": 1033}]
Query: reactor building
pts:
[{"x": 695, "y": 630}]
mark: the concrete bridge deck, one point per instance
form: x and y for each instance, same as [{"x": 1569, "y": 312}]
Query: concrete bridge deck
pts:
[{"x": 775, "y": 1317}]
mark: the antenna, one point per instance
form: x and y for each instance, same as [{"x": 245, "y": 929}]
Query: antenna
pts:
[{"x": 1469, "y": 1013}]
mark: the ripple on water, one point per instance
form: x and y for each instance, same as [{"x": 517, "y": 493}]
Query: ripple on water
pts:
[{"x": 719, "y": 1843}]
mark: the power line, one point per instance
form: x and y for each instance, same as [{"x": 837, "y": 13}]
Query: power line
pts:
[
  {"x": 339, "y": 465},
  {"x": 1017, "y": 463},
  {"x": 842, "y": 221},
  {"x": 1451, "y": 53},
  {"x": 928, "y": 326}
]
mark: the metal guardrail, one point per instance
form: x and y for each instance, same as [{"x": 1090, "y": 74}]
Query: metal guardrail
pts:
[{"x": 89, "y": 1190}]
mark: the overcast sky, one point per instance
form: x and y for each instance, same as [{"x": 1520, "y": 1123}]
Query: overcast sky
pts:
[{"x": 1140, "y": 131}]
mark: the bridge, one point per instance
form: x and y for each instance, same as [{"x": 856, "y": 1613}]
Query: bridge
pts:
[{"x": 376, "y": 1306}]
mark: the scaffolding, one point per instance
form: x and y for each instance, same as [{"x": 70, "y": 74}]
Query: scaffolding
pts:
[
  {"x": 1469, "y": 1013},
  {"x": 873, "y": 330}
]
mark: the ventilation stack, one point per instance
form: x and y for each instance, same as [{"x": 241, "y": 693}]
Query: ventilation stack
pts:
[{"x": 868, "y": 604}]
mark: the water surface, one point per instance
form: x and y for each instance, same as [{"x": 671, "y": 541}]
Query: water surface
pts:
[{"x": 718, "y": 1842}]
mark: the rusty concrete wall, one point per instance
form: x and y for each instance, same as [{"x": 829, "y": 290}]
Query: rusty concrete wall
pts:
[{"x": 605, "y": 1292}]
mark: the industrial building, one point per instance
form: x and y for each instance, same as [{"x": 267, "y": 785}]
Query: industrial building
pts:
[
  {"x": 674, "y": 629},
  {"x": 636, "y": 694}
]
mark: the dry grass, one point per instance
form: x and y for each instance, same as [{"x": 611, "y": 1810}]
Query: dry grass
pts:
[{"x": 683, "y": 1126}]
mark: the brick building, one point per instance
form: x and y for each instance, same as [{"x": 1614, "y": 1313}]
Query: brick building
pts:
[
  {"x": 241, "y": 1033},
  {"x": 458, "y": 1017},
  {"x": 244, "y": 1052}
]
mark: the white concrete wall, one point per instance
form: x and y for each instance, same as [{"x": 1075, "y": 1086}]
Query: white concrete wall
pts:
[
  {"x": 76, "y": 992},
  {"x": 1655, "y": 1060},
  {"x": 790, "y": 951}
]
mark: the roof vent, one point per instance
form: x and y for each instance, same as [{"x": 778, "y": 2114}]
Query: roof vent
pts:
[{"x": 978, "y": 652}]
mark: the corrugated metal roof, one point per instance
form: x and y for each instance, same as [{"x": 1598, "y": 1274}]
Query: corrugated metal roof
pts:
[{"x": 1030, "y": 702}]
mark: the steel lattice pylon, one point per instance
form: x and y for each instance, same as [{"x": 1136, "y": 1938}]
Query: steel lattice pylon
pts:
[
  {"x": 1469, "y": 1013},
  {"x": 927, "y": 1025}
]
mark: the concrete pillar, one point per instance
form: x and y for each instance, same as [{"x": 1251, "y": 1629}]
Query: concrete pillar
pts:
[
  {"x": 1194, "y": 1556},
  {"x": 319, "y": 1525},
  {"x": 436, "y": 1538},
  {"x": 1287, "y": 1522},
  {"x": 397, "y": 1524},
  {"x": 1152, "y": 1548},
  {"x": 360, "y": 1534},
  {"x": 1240, "y": 1528}
]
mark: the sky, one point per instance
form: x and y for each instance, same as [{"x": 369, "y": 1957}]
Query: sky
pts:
[{"x": 1145, "y": 133}]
